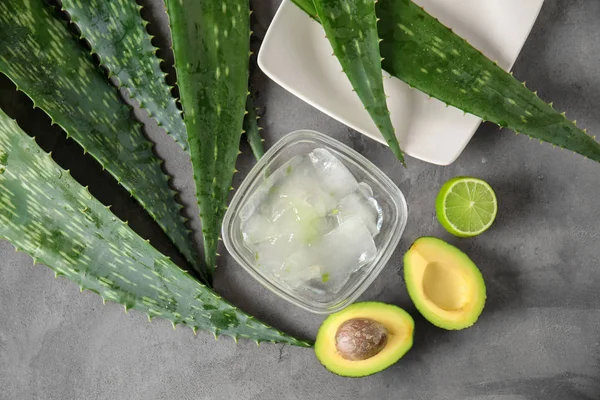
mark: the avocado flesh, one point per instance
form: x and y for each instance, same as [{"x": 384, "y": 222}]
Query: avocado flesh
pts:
[
  {"x": 398, "y": 323},
  {"x": 445, "y": 285}
]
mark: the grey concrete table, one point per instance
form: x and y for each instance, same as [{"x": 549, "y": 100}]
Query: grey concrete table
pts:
[{"x": 538, "y": 338}]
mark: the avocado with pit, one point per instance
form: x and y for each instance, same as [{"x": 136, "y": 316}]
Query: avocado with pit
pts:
[
  {"x": 364, "y": 338},
  {"x": 445, "y": 285}
]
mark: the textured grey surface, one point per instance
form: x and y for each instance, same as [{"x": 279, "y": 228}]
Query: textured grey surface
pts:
[{"x": 538, "y": 338}]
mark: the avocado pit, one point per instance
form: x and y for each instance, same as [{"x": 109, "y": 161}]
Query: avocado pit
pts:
[{"x": 358, "y": 339}]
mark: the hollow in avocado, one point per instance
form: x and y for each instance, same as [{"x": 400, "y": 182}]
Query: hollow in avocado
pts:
[
  {"x": 445, "y": 285},
  {"x": 364, "y": 338}
]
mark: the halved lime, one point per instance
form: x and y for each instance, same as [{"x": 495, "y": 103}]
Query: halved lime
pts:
[{"x": 466, "y": 206}]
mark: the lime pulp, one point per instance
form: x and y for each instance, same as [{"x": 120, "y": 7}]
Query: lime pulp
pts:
[{"x": 466, "y": 206}]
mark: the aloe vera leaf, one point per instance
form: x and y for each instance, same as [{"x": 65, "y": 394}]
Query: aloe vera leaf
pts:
[
  {"x": 117, "y": 34},
  {"x": 48, "y": 64},
  {"x": 351, "y": 27},
  {"x": 417, "y": 47},
  {"x": 45, "y": 213},
  {"x": 211, "y": 43},
  {"x": 253, "y": 130},
  {"x": 308, "y": 6},
  {"x": 421, "y": 51}
]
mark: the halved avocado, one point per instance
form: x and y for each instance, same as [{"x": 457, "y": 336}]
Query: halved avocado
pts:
[
  {"x": 364, "y": 338},
  {"x": 445, "y": 285}
]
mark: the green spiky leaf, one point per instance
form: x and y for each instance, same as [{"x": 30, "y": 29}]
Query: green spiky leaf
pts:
[
  {"x": 425, "y": 54},
  {"x": 48, "y": 64},
  {"x": 47, "y": 214},
  {"x": 252, "y": 129},
  {"x": 117, "y": 34},
  {"x": 308, "y": 6},
  {"x": 414, "y": 41},
  {"x": 211, "y": 42},
  {"x": 351, "y": 27}
]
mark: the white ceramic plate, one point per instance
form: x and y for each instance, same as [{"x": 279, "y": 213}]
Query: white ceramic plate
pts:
[{"x": 296, "y": 55}]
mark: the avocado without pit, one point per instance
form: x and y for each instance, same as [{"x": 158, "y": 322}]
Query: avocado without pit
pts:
[
  {"x": 364, "y": 338},
  {"x": 445, "y": 285}
]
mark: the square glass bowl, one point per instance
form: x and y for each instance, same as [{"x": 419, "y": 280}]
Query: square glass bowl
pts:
[{"x": 387, "y": 194}]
